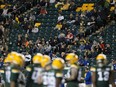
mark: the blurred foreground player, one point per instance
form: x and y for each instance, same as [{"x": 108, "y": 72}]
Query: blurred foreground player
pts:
[
  {"x": 52, "y": 76},
  {"x": 6, "y": 69},
  {"x": 34, "y": 72},
  {"x": 17, "y": 64},
  {"x": 73, "y": 76}
]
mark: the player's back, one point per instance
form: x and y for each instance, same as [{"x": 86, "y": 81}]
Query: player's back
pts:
[
  {"x": 32, "y": 73},
  {"x": 49, "y": 78}
]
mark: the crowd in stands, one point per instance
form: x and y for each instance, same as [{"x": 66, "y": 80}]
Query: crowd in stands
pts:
[{"x": 79, "y": 42}]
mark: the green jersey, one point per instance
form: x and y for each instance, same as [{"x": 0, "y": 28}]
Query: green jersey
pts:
[
  {"x": 2, "y": 72},
  {"x": 49, "y": 77},
  {"x": 33, "y": 73},
  {"x": 15, "y": 72},
  {"x": 102, "y": 75},
  {"x": 74, "y": 82}
]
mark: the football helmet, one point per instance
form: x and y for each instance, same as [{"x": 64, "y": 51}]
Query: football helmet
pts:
[
  {"x": 101, "y": 60},
  {"x": 58, "y": 63},
  {"x": 21, "y": 56},
  {"x": 101, "y": 57},
  {"x": 37, "y": 58},
  {"x": 45, "y": 61},
  {"x": 8, "y": 60},
  {"x": 12, "y": 54},
  {"x": 10, "y": 57},
  {"x": 18, "y": 60},
  {"x": 71, "y": 58}
]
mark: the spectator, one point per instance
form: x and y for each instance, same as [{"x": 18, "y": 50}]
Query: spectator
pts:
[
  {"x": 93, "y": 54},
  {"x": 81, "y": 47},
  {"x": 66, "y": 5},
  {"x": 26, "y": 43},
  {"x": 35, "y": 30},
  {"x": 59, "y": 4},
  {"x": 77, "y": 22},
  {"x": 91, "y": 22},
  {"x": 81, "y": 31},
  {"x": 86, "y": 61},
  {"x": 54, "y": 56},
  {"x": 58, "y": 26},
  {"x": 32, "y": 17},
  {"x": 27, "y": 59},
  {"x": 69, "y": 36},
  {"x": 52, "y": 1},
  {"x": 60, "y": 18},
  {"x": 76, "y": 40},
  {"x": 38, "y": 48},
  {"x": 71, "y": 19},
  {"x": 52, "y": 41},
  {"x": 61, "y": 37},
  {"x": 62, "y": 48},
  {"x": 43, "y": 11},
  {"x": 63, "y": 55},
  {"x": 107, "y": 49},
  {"x": 29, "y": 29},
  {"x": 64, "y": 25},
  {"x": 82, "y": 40},
  {"x": 47, "y": 48},
  {"x": 5, "y": 10},
  {"x": 88, "y": 46},
  {"x": 72, "y": 6},
  {"x": 19, "y": 41},
  {"x": 43, "y": 3},
  {"x": 102, "y": 45}
]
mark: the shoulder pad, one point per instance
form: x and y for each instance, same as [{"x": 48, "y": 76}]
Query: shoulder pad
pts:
[
  {"x": 15, "y": 71},
  {"x": 28, "y": 69},
  {"x": 59, "y": 74},
  {"x": 93, "y": 69},
  {"x": 1, "y": 71},
  {"x": 66, "y": 68},
  {"x": 74, "y": 66}
]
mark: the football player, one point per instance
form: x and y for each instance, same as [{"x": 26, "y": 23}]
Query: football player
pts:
[
  {"x": 52, "y": 76},
  {"x": 34, "y": 71},
  {"x": 6, "y": 70},
  {"x": 102, "y": 74},
  {"x": 72, "y": 75},
  {"x": 17, "y": 64},
  {"x": 46, "y": 65}
]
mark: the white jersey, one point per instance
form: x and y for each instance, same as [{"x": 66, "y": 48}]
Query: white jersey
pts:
[{"x": 49, "y": 78}]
